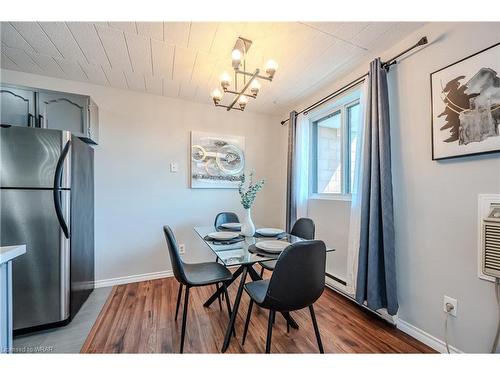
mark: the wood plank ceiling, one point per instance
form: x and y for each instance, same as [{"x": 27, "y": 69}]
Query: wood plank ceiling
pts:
[{"x": 185, "y": 59}]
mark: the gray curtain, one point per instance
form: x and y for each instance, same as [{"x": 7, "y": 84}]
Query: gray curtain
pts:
[
  {"x": 376, "y": 281},
  {"x": 291, "y": 191}
]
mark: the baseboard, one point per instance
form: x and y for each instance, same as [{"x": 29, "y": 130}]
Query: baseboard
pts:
[
  {"x": 425, "y": 337},
  {"x": 132, "y": 278},
  {"x": 136, "y": 278},
  {"x": 402, "y": 325}
]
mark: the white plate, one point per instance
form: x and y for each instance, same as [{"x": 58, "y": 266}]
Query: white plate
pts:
[
  {"x": 269, "y": 231},
  {"x": 223, "y": 236},
  {"x": 272, "y": 246},
  {"x": 231, "y": 225}
]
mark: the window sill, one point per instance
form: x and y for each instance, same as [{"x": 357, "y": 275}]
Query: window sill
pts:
[{"x": 331, "y": 197}]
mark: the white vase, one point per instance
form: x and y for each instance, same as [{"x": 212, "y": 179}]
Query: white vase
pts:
[{"x": 247, "y": 227}]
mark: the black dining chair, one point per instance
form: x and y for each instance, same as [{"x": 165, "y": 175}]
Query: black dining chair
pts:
[
  {"x": 225, "y": 217},
  {"x": 303, "y": 228},
  {"x": 297, "y": 282},
  {"x": 193, "y": 275}
]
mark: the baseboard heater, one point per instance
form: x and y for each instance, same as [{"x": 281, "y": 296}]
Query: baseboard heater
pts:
[
  {"x": 378, "y": 315},
  {"x": 340, "y": 281}
]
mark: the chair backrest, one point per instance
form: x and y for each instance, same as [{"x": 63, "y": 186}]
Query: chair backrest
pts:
[
  {"x": 298, "y": 279},
  {"x": 304, "y": 228},
  {"x": 173, "y": 252},
  {"x": 225, "y": 217}
]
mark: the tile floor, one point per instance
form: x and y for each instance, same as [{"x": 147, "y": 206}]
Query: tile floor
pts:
[{"x": 68, "y": 339}]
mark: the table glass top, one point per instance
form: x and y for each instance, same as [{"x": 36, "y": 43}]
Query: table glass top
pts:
[{"x": 238, "y": 253}]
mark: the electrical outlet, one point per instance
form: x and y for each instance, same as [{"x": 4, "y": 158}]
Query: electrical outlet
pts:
[
  {"x": 182, "y": 248},
  {"x": 451, "y": 301}
]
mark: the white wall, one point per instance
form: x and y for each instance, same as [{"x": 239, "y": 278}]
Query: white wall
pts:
[
  {"x": 331, "y": 218},
  {"x": 135, "y": 194},
  {"x": 435, "y": 203}
]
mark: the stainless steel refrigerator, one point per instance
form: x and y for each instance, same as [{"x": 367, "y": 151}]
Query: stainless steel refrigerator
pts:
[{"x": 47, "y": 203}]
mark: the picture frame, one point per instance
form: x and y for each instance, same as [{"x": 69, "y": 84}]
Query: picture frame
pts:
[
  {"x": 465, "y": 106},
  {"x": 217, "y": 160}
]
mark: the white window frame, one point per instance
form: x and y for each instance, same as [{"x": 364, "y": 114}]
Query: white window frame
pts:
[{"x": 345, "y": 139}]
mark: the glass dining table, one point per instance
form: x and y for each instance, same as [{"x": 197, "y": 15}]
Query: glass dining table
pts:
[{"x": 243, "y": 255}]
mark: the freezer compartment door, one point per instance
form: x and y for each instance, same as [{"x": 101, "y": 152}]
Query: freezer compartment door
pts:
[
  {"x": 41, "y": 276},
  {"x": 30, "y": 156}
]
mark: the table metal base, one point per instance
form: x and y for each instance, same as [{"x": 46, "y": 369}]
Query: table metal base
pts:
[{"x": 243, "y": 270}]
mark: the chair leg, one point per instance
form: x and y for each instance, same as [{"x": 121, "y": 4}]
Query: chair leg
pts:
[
  {"x": 272, "y": 313},
  {"x": 184, "y": 318},
  {"x": 228, "y": 304},
  {"x": 261, "y": 272},
  {"x": 178, "y": 301},
  {"x": 247, "y": 322},
  {"x": 316, "y": 329},
  {"x": 217, "y": 286},
  {"x": 218, "y": 297}
]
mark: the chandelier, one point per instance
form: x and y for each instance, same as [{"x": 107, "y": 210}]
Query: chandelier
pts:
[{"x": 248, "y": 81}]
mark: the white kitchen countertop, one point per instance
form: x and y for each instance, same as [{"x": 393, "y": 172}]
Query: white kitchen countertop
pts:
[{"x": 7, "y": 253}]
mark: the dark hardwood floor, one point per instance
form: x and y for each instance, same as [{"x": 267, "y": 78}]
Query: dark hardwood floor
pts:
[{"x": 139, "y": 318}]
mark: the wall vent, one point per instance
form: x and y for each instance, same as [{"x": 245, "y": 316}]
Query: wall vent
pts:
[{"x": 491, "y": 241}]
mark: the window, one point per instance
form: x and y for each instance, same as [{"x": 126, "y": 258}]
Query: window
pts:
[{"x": 334, "y": 140}]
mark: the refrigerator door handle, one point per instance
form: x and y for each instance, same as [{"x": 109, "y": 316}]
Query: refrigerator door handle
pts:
[
  {"x": 30, "y": 120},
  {"x": 41, "y": 123},
  {"x": 57, "y": 186}
]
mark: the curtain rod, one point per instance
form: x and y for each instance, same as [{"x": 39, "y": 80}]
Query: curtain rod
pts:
[{"x": 358, "y": 80}]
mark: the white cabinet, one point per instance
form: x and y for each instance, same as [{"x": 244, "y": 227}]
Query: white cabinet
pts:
[
  {"x": 7, "y": 255},
  {"x": 5, "y": 307}
]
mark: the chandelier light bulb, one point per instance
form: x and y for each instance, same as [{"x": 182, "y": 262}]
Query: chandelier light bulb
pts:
[
  {"x": 255, "y": 87},
  {"x": 216, "y": 96},
  {"x": 271, "y": 67},
  {"x": 225, "y": 81},
  {"x": 236, "y": 56},
  {"x": 242, "y": 101}
]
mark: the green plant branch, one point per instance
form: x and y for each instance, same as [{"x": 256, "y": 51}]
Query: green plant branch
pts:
[{"x": 249, "y": 193}]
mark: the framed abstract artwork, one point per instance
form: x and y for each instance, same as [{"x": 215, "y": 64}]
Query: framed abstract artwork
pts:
[
  {"x": 217, "y": 160},
  {"x": 465, "y": 106}
]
